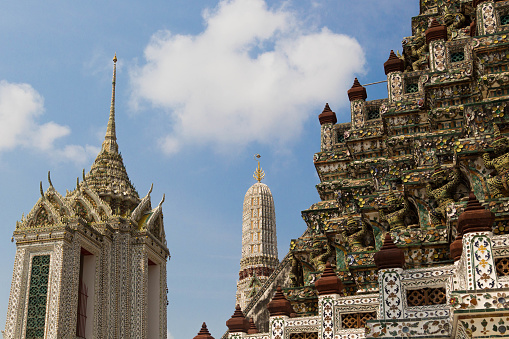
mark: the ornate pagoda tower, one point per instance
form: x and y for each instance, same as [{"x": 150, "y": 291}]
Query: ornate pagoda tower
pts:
[
  {"x": 92, "y": 263},
  {"x": 259, "y": 241}
]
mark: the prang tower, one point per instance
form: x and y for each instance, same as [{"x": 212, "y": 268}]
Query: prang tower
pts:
[
  {"x": 259, "y": 241},
  {"x": 92, "y": 263}
]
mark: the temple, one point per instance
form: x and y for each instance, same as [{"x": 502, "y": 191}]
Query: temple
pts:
[
  {"x": 411, "y": 236},
  {"x": 92, "y": 263}
]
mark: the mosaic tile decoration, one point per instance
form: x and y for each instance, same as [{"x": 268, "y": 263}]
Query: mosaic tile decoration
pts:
[
  {"x": 409, "y": 328},
  {"x": 479, "y": 260},
  {"x": 37, "y": 297},
  {"x": 327, "y": 311},
  {"x": 391, "y": 304},
  {"x": 277, "y": 328}
]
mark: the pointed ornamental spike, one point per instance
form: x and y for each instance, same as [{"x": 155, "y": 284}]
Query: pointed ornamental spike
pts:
[
  {"x": 40, "y": 189},
  {"x": 389, "y": 256},
  {"x": 473, "y": 204},
  {"x": 151, "y": 187},
  {"x": 434, "y": 23},
  {"x": 252, "y": 327},
  {"x": 237, "y": 322},
  {"x": 110, "y": 140},
  {"x": 394, "y": 64},
  {"x": 475, "y": 218},
  {"x": 435, "y": 32},
  {"x": 162, "y": 200},
  {"x": 357, "y": 92},
  {"x": 279, "y": 305},
  {"x": 49, "y": 179},
  {"x": 327, "y": 116},
  {"x": 204, "y": 333},
  {"x": 329, "y": 282},
  {"x": 83, "y": 174}
]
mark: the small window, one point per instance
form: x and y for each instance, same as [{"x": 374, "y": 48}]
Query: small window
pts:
[
  {"x": 504, "y": 19},
  {"x": 412, "y": 88},
  {"x": 457, "y": 56},
  {"x": 373, "y": 113},
  {"x": 356, "y": 320},
  {"x": 341, "y": 137},
  {"x": 426, "y": 297},
  {"x": 502, "y": 265}
]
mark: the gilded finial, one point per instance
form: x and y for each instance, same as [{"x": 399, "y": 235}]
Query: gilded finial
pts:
[
  {"x": 259, "y": 174},
  {"x": 115, "y": 58},
  {"x": 40, "y": 188},
  {"x": 49, "y": 180},
  {"x": 83, "y": 175},
  {"x": 78, "y": 183},
  {"x": 151, "y": 187}
]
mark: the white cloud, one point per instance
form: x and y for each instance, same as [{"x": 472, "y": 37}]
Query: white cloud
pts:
[
  {"x": 20, "y": 108},
  {"x": 252, "y": 75},
  {"x": 170, "y": 336}
]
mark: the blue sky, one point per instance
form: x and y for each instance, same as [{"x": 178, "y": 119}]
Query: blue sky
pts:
[{"x": 202, "y": 86}]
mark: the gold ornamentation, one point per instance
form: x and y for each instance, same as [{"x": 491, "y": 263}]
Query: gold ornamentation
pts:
[{"x": 259, "y": 174}]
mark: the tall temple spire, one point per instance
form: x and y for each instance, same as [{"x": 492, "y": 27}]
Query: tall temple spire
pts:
[
  {"x": 110, "y": 140},
  {"x": 108, "y": 176},
  {"x": 259, "y": 241}
]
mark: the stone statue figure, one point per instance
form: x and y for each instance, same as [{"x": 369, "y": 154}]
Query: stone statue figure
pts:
[
  {"x": 296, "y": 273},
  {"x": 418, "y": 50},
  {"x": 358, "y": 236},
  {"x": 395, "y": 211},
  {"x": 319, "y": 255},
  {"x": 499, "y": 183},
  {"x": 442, "y": 185}
]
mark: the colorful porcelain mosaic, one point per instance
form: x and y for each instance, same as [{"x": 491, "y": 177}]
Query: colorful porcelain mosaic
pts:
[{"x": 404, "y": 166}]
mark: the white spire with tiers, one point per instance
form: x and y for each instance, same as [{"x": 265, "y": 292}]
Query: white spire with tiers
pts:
[{"x": 259, "y": 240}]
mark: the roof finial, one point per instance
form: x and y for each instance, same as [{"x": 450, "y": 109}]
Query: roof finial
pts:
[
  {"x": 49, "y": 179},
  {"x": 110, "y": 140},
  {"x": 258, "y": 174}
]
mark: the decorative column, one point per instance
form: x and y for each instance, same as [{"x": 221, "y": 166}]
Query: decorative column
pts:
[
  {"x": 329, "y": 287},
  {"x": 327, "y": 120},
  {"x": 475, "y": 223},
  {"x": 357, "y": 95},
  {"x": 394, "y": 68},
  {"x": 237, "y": 325},
  {"x": 436, "y": 36},
  {"x": 279, "y": 310},
  {"x": 390, "y": 261},
  {"x": 486, "y": 19}
]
